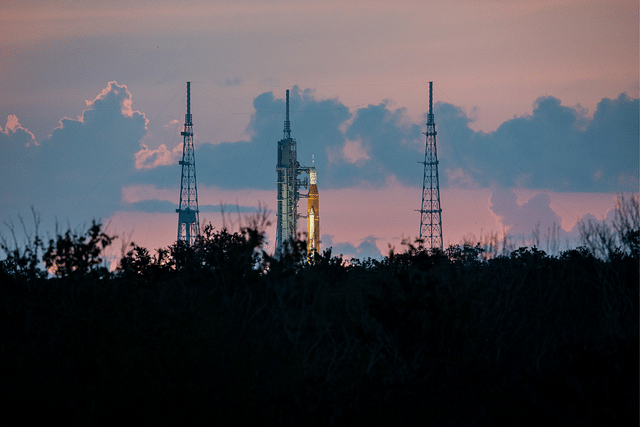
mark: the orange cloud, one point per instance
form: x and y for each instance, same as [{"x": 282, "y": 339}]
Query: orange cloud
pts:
[
  {"x": 14, "y": 126},
  {"x": 149, "y": 159},
  {"x": 114, "y": 89}
]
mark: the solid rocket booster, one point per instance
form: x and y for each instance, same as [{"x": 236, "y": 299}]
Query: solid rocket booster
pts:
[{"x": 313, "y": 211}]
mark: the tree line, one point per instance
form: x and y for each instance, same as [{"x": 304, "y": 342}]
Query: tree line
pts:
[{"x": 223, "y": 331}]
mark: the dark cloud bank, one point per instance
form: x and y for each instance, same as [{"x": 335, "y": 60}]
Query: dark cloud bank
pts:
[
  {"x": 78, "y": 172},
  {"x": 557, "y": 148}
]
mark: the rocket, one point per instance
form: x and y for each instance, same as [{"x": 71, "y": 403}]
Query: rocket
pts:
[{"x": 313, "y": 211}]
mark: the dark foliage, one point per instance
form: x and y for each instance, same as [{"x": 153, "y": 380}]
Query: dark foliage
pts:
[{"x": 223, "y": 332}]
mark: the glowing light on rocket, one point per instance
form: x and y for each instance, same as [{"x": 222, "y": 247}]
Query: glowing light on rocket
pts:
[{"x": 313, "y": 210}]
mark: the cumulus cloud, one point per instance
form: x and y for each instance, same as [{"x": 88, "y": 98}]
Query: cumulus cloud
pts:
[
  {"x": 78, "y": 171},
  {"x": 251, "y": 164},
  {"x": 83, "y": 165},
  {"x": 372, "y": 144},
  {"x": 366, "y": 249},
  {"x": 14, "y": 134},
  {"x": 354, "y": 152},
  {"x": 522, "y": 220},
  {"x": 392, "y": 144},
  {"x": 147, "y": 158},
  {"x": 555, "y": 148}
]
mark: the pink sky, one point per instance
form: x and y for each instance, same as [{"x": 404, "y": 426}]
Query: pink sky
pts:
[
  {"x": 351, "y": 215},
  {"x": 492, "y": 59}
]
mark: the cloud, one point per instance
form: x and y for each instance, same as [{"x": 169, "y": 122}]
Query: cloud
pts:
[
  {"x": 391, "y": 143},
  {"x": 235, "y": 81},
  {"x": 372, "y": 145},
  {"x": 366, "y": 249},
  {"x": 16, "y": 135},
  {"x": 172, "y": 124},
  {"x": 251, "y": 164},
  {"x": 148, "y": 159},
  {"x": 354, "y": 152},
  {"x": 522, "y": 220},
  {"x": 77, "y": 172},
  {"x": 555, "y": 148}
]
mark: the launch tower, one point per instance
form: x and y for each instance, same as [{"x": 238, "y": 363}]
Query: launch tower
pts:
[
  {"x": 188, "y": 216},
  {"x": 430, "y": 212},
  {"x": 288, "y": 184}
]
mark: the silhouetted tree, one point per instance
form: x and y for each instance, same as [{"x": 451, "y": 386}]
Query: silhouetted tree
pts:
[
  {"x": 622, "y": 235},
  {"x": 77, "y": 254}
]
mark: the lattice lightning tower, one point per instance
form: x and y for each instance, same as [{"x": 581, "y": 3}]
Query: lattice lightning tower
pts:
[
  {"x": 430, "y": 212},
  {"x": 188, "y": 214}
]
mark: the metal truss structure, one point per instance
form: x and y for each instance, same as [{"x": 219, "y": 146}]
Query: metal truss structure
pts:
[
  {"x": 431, "y": 212},
  {"x": 288, "y": 185},
  {"x": 188, "y": 214}
]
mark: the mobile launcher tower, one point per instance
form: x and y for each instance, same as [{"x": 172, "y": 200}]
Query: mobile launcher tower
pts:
[{"x": 288, "y": 186}]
